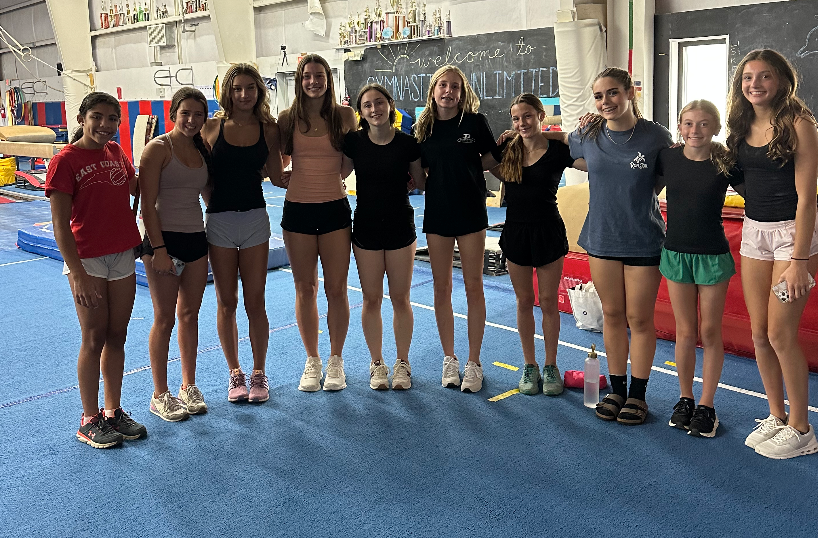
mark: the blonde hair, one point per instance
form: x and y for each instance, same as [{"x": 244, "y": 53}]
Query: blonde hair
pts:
[
  {"x": 330, "y": 110},
  {"x": 511, "y": 166},
  {"x": 786, "y": 107},
  {"x": 623, "y": 78},
  {"x": 261, "y": 110},
  {"x": 469, "y": 102},
  {"x": 719, "y": 154}
]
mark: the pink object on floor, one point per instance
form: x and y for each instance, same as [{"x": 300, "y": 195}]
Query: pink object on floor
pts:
[{"x": 575, "y": 379}]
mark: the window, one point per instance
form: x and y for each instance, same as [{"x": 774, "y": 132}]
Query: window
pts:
[{"x": 699, "y": 70}]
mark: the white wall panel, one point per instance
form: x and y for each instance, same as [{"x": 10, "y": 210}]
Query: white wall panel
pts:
[{"x": 676, "y": 6}]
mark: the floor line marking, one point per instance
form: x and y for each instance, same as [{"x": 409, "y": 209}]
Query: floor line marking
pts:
[
  {"x": 504, "y": 395},
  {"x": 23, "y": 261},
  {"x": 506, "y": 366},
  {"x": 670, "y": 363}
]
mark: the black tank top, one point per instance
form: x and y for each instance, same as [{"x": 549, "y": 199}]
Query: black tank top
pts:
[
  {"x": 237, "y": 174},
  {"x": 770, "y": 194}
]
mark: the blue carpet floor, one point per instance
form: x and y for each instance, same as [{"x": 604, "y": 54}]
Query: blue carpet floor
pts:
[{"x": 426, "y": 462}]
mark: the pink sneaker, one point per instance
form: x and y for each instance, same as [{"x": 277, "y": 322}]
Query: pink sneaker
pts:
[
  {"x": 259, "y": 389},
  {"x": 237, "y": 389}
]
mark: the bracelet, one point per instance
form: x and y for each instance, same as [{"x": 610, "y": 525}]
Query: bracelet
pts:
[
  {"x": 157, "y": 248},
  {"x": 800, "y": 259}
]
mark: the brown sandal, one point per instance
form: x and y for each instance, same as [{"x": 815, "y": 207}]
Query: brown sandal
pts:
[
  {"x": 633, "y": 413},
  {"x": 608, "y": 408}
]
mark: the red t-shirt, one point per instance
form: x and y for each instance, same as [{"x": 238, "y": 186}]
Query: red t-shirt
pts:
[{"x": 101, "y": 217}]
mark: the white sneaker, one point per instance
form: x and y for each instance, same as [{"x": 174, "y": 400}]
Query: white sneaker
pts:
[
  {"x": 378, "y": 376},
  {"x": 335, "y": 377},
  {"x": 472, "y": 377},
  {"x": 402, "y": 375},
  {"x": 788, "y": 443},
  {"x": 764, "y": 430},
  {"x": 168, "y": 407},
  {"x": 193, "y": 399},
  {"x": 451, "y": 372},
  {"x": 311, "y": 378}
]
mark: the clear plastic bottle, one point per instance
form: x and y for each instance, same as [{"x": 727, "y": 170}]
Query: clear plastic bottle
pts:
[{"x": 591, "y": 376}]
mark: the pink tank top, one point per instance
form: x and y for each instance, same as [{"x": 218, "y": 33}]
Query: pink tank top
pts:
[{"x": 316, "y": 173}]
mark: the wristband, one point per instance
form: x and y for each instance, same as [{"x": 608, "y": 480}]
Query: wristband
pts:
[
  {"x": 800, "y": 259},
  {"x": 160, "y": 246}
]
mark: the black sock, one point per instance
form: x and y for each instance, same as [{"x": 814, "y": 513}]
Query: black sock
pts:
[
  {"x": 638, "y": 388},
  {"x": 619, "y": 385}
]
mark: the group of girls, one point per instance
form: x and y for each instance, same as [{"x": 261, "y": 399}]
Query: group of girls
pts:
[{"x": 771, "y": 156}]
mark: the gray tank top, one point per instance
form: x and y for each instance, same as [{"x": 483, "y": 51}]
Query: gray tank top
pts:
[{"x": 178, "y": 200}]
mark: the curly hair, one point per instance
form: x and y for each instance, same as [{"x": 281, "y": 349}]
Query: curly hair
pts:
[{"x": 786, "y": 107}]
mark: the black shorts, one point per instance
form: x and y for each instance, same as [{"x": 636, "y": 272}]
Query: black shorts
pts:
[
  {"x": 187, "y": 247},
  {"x": 316, "y": 218},
  {"x": 534, "y": 244},
  {"x": 376, "y": 233},
  {"x": 633, "y": 261}
]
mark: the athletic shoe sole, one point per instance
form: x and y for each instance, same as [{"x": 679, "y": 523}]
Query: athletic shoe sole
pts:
[
  {"x": 812, "y": 448},
  {"x": 678, "y": 426},
  {"x": 451, "y": 384},
  {"x": 401, "y": 386},
  {"x": 471, "y": 390},
  {"x": 94, "y": 444},
  {"x": 158, "y": 414},
  {"x": 237, "y": 399},
  {"x": 379, "y": 386},
  {"x": 710, "y": 434},
  {"x": 331, "y": 387},
  {"x": 258, "y": 400}
]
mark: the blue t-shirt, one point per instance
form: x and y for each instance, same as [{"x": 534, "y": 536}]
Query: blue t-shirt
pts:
[{"x": 623, "y": 211}]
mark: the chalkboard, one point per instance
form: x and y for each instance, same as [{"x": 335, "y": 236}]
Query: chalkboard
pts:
[
  {"x": 791, "y": 28},
  {"x": 499, "y": 67}
]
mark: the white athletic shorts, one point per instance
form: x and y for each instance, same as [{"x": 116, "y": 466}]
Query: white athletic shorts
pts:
[
  {"x": 110, "y": 267},
  {"x": 772, "y": 240}
]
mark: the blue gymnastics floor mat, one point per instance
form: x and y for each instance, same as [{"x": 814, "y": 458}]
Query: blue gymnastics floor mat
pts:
[{"x": 40, "y": 240}]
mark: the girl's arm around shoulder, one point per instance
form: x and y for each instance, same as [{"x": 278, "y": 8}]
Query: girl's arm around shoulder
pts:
[{"x": 350, "y": 121}]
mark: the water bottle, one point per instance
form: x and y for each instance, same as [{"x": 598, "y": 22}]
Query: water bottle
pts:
[{"x": 591, "y": 377}]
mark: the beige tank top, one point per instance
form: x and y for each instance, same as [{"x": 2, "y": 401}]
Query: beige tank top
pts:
[
  {"x": 178, "y": 201},
  {"x": 316, "y": 173}
]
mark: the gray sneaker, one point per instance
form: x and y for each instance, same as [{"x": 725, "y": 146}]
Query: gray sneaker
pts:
[
  {"x": 551, "y": 380},
  {"x": 193, "y": 399},
  {"x": 451, "y": 372},
  {"x": 378, "y": 376},
  {"x": 334, "y": 377},
  {"x": 472, "y": 377},
  {"x": 311, "y": 378},
  {"x": 168, "y": 407},
  {"x": 530, "y": 382}
]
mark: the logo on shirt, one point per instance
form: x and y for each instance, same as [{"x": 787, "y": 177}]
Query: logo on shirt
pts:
[
  {"x": 466, "y": 139},
  {"x": 639, "y": 162}
]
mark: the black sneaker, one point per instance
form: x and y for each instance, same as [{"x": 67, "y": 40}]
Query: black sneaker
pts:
[
  {"x": 704, "y": 422},
  {"x": 682, "y": 413},
  {"x": 124, "y": 424},
  {"x": 98, "y": 433}
]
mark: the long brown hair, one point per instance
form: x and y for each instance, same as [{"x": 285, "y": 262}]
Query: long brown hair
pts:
[
  {"x": 182, "y": 94},
  {"x": 786, "y": 107},
  {"x": 90, "y": 101},
  {"x": 719, "y": 154},
  {"x": 469, "y": 102},
  {"x": 511, "y": 167},
  {"x": 622, "y": 78},
  {"x": 330, "y": 110},
  {"x": 362, "y": 123},
  {"x": 261, "y": 110}
]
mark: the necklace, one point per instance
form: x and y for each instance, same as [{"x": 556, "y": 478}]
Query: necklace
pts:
[{"x": 633, "y": 129}]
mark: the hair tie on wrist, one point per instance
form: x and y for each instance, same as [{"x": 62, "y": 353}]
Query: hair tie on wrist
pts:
[
  {"x": 800, "y": 259},
  {"x": 160, "y": 246}
]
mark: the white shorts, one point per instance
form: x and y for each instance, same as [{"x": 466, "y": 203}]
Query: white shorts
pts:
[
  {"x": 110, "y": 267},
  {"x": 772, "y": 241},
  {"x": 238, "y": 229}
]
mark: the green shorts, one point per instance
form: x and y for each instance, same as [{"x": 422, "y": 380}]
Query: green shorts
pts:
[{"x": 702, "y": 269}]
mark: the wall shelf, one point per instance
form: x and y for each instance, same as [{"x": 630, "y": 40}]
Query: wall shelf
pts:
[
  {"x": 378, "y": 45},
  {"x": 145, "y": 24}
]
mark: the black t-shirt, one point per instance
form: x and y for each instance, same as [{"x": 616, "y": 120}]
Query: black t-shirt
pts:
[
  {"x": 456, "y": 187},
  {"x": 534, "y": 199},
  {"x": 695, "y": 198},
  {"x": 381, "y": 174}
]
